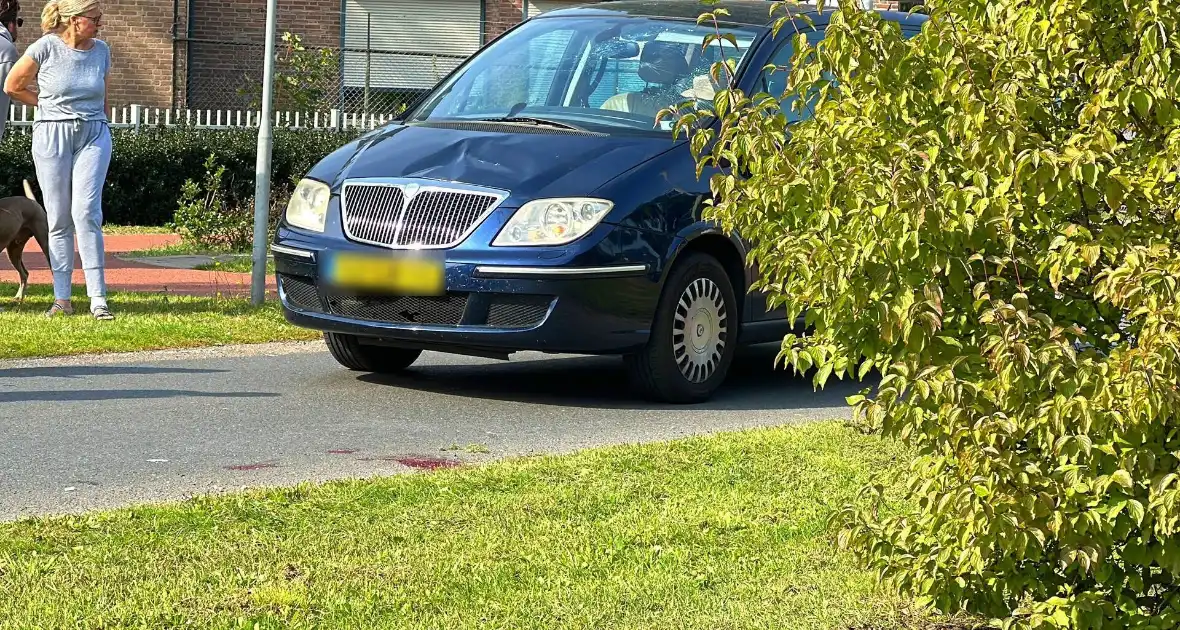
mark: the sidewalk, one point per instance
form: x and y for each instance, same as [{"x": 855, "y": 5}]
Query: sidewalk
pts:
[{"x": 122, "y": 275}]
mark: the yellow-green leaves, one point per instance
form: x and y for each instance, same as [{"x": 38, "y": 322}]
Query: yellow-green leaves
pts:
[{"x": 986, "y": 218}]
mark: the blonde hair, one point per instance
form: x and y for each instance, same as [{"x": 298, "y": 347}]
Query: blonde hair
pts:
[{"x": 57, "y": 12}]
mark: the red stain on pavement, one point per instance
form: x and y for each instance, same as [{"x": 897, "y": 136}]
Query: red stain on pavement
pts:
[
  {"x": 249, "y": 466},
  {"x": 122, "y": 275},
  {"x": 427, "y": 463},
  {"x": 420, "y": 463}
]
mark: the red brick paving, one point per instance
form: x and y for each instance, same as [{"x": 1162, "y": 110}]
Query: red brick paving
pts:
[{"x": 122, "y": 275}]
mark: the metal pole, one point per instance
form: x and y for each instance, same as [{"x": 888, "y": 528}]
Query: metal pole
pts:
[
  {"x": 368, "y": 57},
  {"x": 262, "y": 169}
]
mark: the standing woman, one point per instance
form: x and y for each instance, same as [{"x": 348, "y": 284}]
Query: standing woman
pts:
[{"x": 71, "y": 140}]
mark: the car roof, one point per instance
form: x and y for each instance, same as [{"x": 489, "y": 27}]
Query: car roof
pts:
[{"x": 741, "y": 12}]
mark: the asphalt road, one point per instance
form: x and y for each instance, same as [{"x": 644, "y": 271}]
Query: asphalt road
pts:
[{"x": 92, "y": 432}]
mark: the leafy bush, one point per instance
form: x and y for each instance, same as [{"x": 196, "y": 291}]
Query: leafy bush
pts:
[
  {"x": 208, "y": 217},
  {"x": 149, "y": 169},
  {"x": 988, "y": 215},
  {"x": 305, "y": 81}
]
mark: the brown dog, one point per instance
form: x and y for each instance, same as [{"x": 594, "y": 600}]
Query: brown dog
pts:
[{"x": 22, "y": 218}]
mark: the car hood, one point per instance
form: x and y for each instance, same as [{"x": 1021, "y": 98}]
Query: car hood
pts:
[{"x": 528, "y": 162}]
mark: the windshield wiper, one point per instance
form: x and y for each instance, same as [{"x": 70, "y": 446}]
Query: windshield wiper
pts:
[{"x": 532, "y": 120}]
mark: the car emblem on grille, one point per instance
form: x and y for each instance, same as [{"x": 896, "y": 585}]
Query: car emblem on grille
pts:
[{"x": 410, "y": 191}]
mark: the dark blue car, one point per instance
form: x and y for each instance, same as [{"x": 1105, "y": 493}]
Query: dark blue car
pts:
[{"x": 532, "y": 202}]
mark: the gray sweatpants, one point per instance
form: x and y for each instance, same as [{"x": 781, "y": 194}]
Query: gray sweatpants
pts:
[{"x": 71, "y": 160}]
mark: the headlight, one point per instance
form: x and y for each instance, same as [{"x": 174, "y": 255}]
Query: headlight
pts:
[
  {"x": 308, "y": 207},
  {"x": 552, "y": 221}
]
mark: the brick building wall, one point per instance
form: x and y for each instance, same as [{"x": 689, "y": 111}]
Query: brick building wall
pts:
[
  {"x": 318, "y": 21},
  {"x": 225, "y": 51},
  {"x": 499, "y": 16},
  {"x": 139, "y": 34}
]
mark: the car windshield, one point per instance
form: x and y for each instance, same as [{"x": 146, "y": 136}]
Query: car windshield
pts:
[{"x": 591, "y": 72}]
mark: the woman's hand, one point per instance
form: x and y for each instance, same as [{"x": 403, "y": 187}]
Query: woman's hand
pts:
[{"x": 19, "y": 78}]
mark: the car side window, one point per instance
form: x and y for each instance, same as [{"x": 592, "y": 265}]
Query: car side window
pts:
[{"x": 773, "y": 80}]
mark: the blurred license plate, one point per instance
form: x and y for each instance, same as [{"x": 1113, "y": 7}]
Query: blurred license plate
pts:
[{"x": 404, "y": 274}]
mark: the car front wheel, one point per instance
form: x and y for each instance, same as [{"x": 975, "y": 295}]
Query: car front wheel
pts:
[
  {"x": 693, "y": 338},
  {"x": 349, "y": 352}
]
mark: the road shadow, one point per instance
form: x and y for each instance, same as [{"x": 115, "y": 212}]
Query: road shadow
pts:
[
  {"x": 81, "y": 371},
  {"x": 76, "y": 395},
  {"x": 754, "y": 384}
]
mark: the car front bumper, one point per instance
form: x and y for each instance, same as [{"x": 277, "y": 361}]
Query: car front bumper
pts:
[{"x": 489, "y": 309}]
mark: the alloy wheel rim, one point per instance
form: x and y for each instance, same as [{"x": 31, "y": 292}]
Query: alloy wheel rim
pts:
[{"x": 700, "y": 330}]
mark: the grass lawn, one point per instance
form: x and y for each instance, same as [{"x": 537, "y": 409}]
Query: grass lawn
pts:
[
  {"x": 717, "y": 532},
  {"x": 143, "y": 322}
]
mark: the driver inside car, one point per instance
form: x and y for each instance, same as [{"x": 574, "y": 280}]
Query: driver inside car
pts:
[{"x": 661, "y": 65}]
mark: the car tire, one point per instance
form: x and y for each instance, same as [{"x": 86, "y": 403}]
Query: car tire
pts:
[
  {"x": 693, "y": 337},
  {"x": 349, "y": 352}
]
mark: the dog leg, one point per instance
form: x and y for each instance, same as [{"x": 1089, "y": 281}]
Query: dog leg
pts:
[
  {"x": 41, "y": 236},
  {"x": 16, "y": 251}
]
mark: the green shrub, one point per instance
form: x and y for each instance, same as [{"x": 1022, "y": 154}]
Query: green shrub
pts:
[
  {"x": 988, "y": 215},
  {"x": 305, "y": 80},
  {"x": 208, "y": 217},
  {"x": 148, "y": 169}
]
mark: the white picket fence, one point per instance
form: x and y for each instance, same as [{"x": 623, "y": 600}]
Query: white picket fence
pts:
[{"x": 22, "y": 117}]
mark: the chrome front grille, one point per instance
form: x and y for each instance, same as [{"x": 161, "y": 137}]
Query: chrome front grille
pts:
[
  {"x": 411, "y": 213},
  {"x": 373, "y": 213}
]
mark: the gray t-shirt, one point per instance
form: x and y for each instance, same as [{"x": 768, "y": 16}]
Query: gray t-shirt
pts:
[
  {"x": 71, "y": 83},
  {"x": 8, "y": 58}
]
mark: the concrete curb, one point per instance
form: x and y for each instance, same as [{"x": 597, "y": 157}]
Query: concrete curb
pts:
[{"x": 275, "y": 349}]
